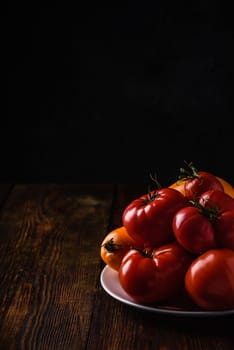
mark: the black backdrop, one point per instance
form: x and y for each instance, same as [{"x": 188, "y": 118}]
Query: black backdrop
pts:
[{"x": 110, "y": 92}]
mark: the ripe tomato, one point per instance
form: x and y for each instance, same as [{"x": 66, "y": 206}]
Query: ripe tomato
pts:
[
  {"x": 179, "y": 186},
  {"x": 197, "y": 182},
  {"x": 209, "y": 280},
  {"x": 208, "y": 224},
  {"x": 148, "y": 219},
  {"x": 217, "y": 200},
  {"x": 223, "y": 207},
  {"x": 228, "y": 188},
  {"x": 151, "y": 277},
  {"x": 115, "y": 245},
  {"x": 193, "y": 230},
  {"x": 224, "y": 230}
]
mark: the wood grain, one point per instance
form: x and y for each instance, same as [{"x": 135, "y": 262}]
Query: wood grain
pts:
[
  {"x": 50, "y": 295},
  {"x": 49, "y": 264}
]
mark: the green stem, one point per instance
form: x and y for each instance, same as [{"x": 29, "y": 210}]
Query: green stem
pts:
[
  {"x": 211, "y": 213},
  {"x": 190, "y": 173}
]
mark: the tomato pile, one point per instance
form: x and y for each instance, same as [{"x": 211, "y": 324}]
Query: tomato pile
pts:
[{"x": 177, "y": 241}]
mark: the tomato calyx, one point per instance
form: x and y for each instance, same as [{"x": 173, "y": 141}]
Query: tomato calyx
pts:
[
  {"x": 152, "y": 194},
  {"x": 111, "y": 246},
  {"x": 146, "y": 252},
  {"x": 188, "y": 174},
  {"x": 212, "y": 213},
  {"x": 150, "y": 197}
]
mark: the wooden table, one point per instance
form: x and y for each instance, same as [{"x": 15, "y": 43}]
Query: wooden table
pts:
[{"x": 50, "y": 295}]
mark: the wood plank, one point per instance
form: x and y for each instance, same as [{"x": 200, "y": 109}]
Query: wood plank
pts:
[{"x": 50, "y": 264}]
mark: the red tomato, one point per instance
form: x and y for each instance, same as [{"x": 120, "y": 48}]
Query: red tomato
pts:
[
  {"x": 209, "y": 280},
  {"x": 150, "y": 277},
  {"x": 227, "y": 186},
  {"x": 217, "y": 199},
  {"x": 223, "y": 220},
  {"x": 193, "y": 230},
  {"x": 148, "y": 219},
  {"x": 224, "y": 228},
  {"x": 197, "y": 182}
]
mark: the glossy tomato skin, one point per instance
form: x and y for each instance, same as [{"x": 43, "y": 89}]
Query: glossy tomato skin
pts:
[
  {"x": 149, "y": 218},
  {"x": 115, "y": 245},
  {"x": 216, "y": 199},
  {"x": 193, "y": 230},
  {"x": 209, "y": 281},
  {"x": 193, "y": 188},
  {"x": 224, "y": 223},
  {"x": 227, "y": 187},
  {"x": 224, "y": 228},
  {"x": 151, "y": 279}
]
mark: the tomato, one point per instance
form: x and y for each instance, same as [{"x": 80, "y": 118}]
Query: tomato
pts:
[
  {"x": 207, "y": 224},
  {"x": 148, "y": 219},
  {"x": 209, "y": 280},
  {"x": 179, "y": 186},
  {"x": 223, "y": 207},
  {"x": 228, "y": 188},
  {"x": 115, "y": 245},
  {"x": 224, "y": 228},
  {"x": 150, "y": 277},
  {"x": 193, "y": 230},
  {"x": 197, "y": 182},
  {"x": 217, "y": 200}
]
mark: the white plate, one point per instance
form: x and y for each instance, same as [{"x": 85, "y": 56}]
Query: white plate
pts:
[{"x": 110, "y": 283}]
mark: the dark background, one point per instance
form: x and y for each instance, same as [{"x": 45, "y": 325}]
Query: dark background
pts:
[{"x": 103, "y": 92}]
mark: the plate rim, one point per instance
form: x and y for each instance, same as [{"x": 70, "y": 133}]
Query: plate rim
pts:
[{"x": 158, "y": 310}]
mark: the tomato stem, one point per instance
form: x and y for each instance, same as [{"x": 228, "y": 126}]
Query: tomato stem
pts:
[
  {"x": 146, "y": 253},
  {"x": 211, "y": 213},
  {"x": 190, "y": 173},
  {"x": 155, "y": 180},
  {"x": 152, "y": 194}
]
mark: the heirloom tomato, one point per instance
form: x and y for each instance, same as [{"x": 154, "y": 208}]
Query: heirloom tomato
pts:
[
  {"x": 217, "y": 200},
  {"x": 222, "y": 206},
  {"x": 228, "y": 188},
  {"x": 148, "y": 219},
  {"x": 153, "y": 276},
  {"x": 193, "y": 230},
  {"x": 115, "y": 245},
  {"x": 209, "y": 280},
  {"x": 224, "y": 228},
  {"x": 194, "y": 182},
  {"x": 207, "y": 224}
]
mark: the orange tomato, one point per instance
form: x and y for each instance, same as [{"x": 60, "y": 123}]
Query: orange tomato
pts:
[
  {"x": 228, "y": 188},
  {"x": 179, "y": 186},
  {"x": 114, "y": 246}
]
